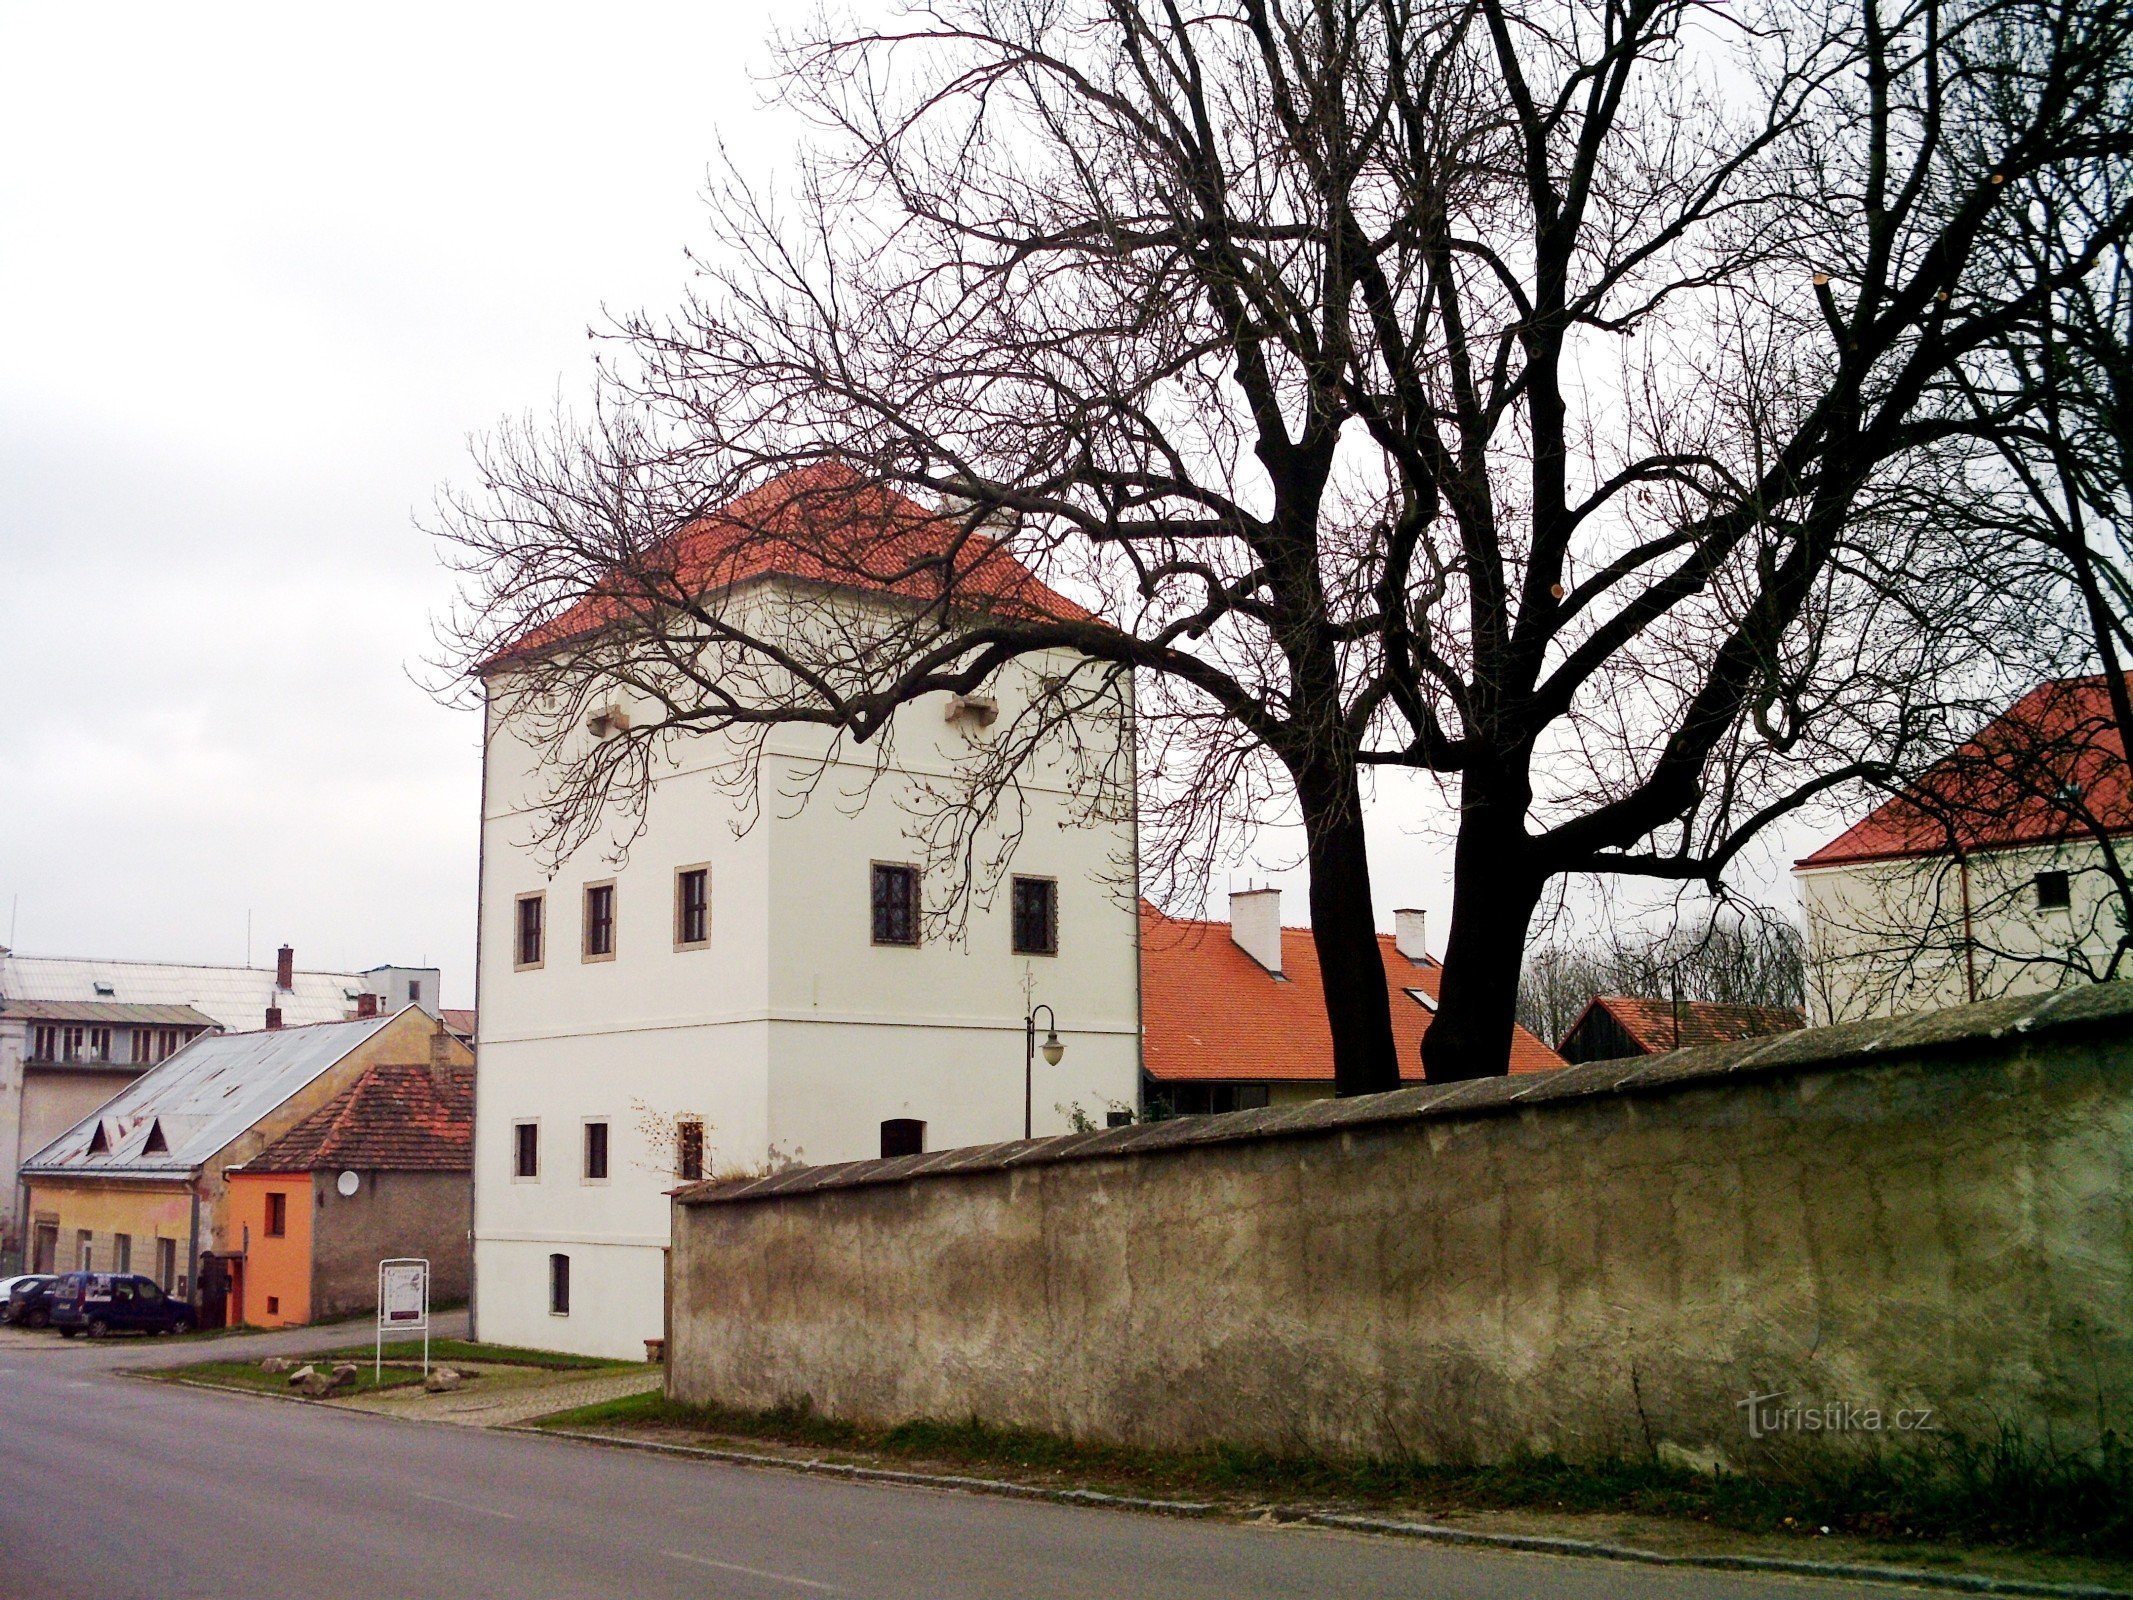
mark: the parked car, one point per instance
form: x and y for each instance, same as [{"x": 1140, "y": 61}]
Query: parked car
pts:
[
  {"x": 97, "y": 1303},
  {"x": 26, "y": 1302}
]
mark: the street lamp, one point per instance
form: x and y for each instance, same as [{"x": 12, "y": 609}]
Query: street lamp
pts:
[{"x": 1052, "y": 1047}]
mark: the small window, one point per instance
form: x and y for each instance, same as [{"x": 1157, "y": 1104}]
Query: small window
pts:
[
  {"x": 595, "y": 1152},
  {"x": 902, "y": 1136},
  {"x": 531, "y": 933},
  {"x": 414, "y": 991},
  {"x": 1036, "y": 912},
  {"x": 167, "y": 1263},
  {"x": 526, "y": 1150},
  {"x": 277, "y": 1216},
  {"x": 273, "y": 1305},
  {"x": 1422, "y": 998},
  {"x": 143, "y": 1042},
  {"x": 692, "y": 908},
  {"x": 689, "y": 1150},
  {"x": 155, "y": 1144},
  {"x": 122, "y": 1252},
  {"x": 46, "y": 1045},
  {"x": 2055, "y": 891},
  {"x": 559, "y": 1285},
  {"x": 100, "y": 1044},
  {"x": 599, "y": 922},
  {"x": 895, "y": 904},
  {"x": 84, "y": 1250}
]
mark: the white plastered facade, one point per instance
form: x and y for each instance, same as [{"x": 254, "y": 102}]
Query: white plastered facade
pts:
[{"x": 790, "y": 1034}]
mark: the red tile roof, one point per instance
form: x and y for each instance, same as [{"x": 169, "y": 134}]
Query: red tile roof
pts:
[
  {"x": 391, "y": 1119},
  {"x": 1996, "y": 791},
  {"x": 822, "y": 523},
  {"x": 1209, "y": 1011},
  {"x": 457, "y": 1022},
  {"x": 1657, "y": 1026}
]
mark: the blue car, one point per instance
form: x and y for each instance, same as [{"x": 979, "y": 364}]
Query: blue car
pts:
[{"x": 97, "y": 1303}]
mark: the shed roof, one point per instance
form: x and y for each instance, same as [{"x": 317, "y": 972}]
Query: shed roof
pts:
[
  {"x": 1210, "y": 1012},
  {"x": 120, "y": 1013},
  {"x": 391, "y": 1119},
  {"x": 235, "y": 997},
  {"x": 198, "y": 1101}
]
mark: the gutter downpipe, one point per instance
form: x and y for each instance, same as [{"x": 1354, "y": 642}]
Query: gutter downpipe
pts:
[
  {"x": 1133, "y": 822},
  {"x": 192, "y": 1250},
  {"x": 1962, "y": 872},
  {"x": 481, "y": 884}
]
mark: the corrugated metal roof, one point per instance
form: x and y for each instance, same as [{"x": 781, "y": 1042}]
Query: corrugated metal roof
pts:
[
  {"x": 118, "y": 1011},
  {"x": 200, "y": 1099},
  {"x": 236, "y": 997}
]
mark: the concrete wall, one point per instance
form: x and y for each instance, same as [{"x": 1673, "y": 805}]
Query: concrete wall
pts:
[
  {"x": 1611, "y": 1258},
  {"x": 390, "y": 1214}
]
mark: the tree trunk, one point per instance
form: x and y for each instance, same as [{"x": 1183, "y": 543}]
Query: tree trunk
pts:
[
  {"x": 1350, "y": 963},
  {"x": 1494, "y": 892}
]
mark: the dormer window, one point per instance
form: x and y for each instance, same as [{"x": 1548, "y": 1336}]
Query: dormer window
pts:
[
  {"x": 607, "y": 721},
  {"x": 155, "y": 1144},
  {"x": 99, "y": 1142},
  {"x": 105, "y": 990}
]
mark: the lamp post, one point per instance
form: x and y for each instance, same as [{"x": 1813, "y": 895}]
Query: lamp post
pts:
[{"x": 1053, "y": 1049}]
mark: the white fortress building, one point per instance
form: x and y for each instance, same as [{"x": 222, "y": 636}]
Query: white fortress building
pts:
[{"x": 710, "y": 994}]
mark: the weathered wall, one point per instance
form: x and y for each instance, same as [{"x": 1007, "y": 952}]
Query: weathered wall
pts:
[
  {"x": 390, "y": 1214},
  {"x": 1611, "y": 1258}
]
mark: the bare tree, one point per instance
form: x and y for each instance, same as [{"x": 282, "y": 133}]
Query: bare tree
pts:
[
  {"x": 1546, "y": 394},
  {"x": 1732, "y": 954}
]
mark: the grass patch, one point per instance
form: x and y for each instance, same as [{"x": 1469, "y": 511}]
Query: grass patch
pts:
[
  {"x": 453, "y": 1350},
  {"x": 249, "y": 1375},
  {"x": 2006, "y": 1493}
]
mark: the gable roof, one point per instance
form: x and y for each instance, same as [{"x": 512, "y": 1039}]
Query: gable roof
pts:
[
  {"x": 392, "y": 1118},
  {"x": 1657, "y": 1026},
  {"x": 1995, "y": 791},
  {"x": 1210, "y": 1012},
  {"x": 821, "y": 523},
  {"x": 199, "y": 1099},
  {"x": 235, "y": 997}
]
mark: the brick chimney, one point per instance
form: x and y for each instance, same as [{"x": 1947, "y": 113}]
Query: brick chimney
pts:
[
  {"x": 273, "y": 1018},
  {"x": 441, "y": 1062},
  {"x": 366, "y": 1006},
  {"x": 285, "y": 967},
  {"x": 1407, "y": 929},
  {"x": 1255, "y": 925}
]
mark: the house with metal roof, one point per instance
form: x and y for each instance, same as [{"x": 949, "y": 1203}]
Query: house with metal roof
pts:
[
  {"x": 140, "y": 1183},
  {"x": 74, "y": 1031}
]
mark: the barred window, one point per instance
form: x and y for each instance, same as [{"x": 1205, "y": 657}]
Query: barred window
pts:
[
  {"x": 1036, "y": 916},
  {"x": 895, "y": 904}
]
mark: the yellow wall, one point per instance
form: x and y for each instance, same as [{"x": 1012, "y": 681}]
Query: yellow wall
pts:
[
  {"x": 276, "y": 1269},
  {"x": 144, "y": 1212}
]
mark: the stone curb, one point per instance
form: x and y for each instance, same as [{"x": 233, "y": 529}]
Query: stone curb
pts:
[{"x": 1433, "y": 1533}]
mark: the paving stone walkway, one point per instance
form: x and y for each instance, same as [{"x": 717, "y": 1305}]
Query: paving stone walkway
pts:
[{"x": 473, "y": 1407}]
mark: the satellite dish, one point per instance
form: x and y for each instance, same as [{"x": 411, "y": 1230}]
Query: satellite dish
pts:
[{"x": 348, "y": 1183}]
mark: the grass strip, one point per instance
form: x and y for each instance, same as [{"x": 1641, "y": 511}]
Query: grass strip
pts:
[
  {"x": 2005, "y": 1493},
  {"x": 450, "y": 1350},
  {"x": 249, "y": 1375}
]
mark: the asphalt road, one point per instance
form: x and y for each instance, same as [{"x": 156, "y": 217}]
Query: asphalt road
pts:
[{"x": 116, "y": 1487}]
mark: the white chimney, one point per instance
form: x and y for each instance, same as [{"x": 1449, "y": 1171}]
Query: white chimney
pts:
[
  {"x": 1407, "y": 936},
  {"x": 1255, "y": 925}
]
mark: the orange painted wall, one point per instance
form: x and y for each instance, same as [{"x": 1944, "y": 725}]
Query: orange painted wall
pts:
[{"x": 278, "y": 1267}]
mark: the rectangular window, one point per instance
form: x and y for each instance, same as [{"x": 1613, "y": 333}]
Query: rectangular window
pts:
[
  {"x": 529, "y": 949},
  {"x": 559, "y": 1285},
  {"x": 692, "y": 908},
  {"x": 122, "y": 1252},
  {"x": 599, "y": 922},
  {"x": 84, "y": 1250},
  {"x": 1036, "y": 917},
  {"x": 143, "y": 1044},
  {"x": 895, "y": 904},
  {"x": 100, "y": 1044},
  {"x": 273, "y": 1305},
  {"x": 277, "y": 1216},
  {"x": 2055, "y": 891},
  {"x": 414, "y": 991},
  {"x": 46, "y": 1045},
  {"x": 596, "y": 1152},
  {"x": 70, "y": 1044},
  {"x": 167, "y": 1264},
  {"x": 526, "y": 1150},
  {"x": 902, "y": 1136},
  {"x": 689, "y": 1150},
  {"x": 167, "y": 1042}
]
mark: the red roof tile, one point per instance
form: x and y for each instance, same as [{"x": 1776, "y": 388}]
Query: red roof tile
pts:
[
  {"x": 1996, "y": 791},
  {"x": 824, "y": 524},
  {"x": 391, "y": 1119},
  {"x": 1661, "y": 1025},
  {"x": 1209, "y": 1011}
]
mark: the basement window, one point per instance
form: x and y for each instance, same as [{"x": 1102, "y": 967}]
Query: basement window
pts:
[{"x": 2055, "y": 891}]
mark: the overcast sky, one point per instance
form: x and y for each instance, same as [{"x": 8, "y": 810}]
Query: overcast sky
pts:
[{"x": 262, "y": 272}]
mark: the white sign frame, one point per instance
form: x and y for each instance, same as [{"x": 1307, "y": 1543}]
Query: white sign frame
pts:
[{"x": 403, "y": 1306}]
